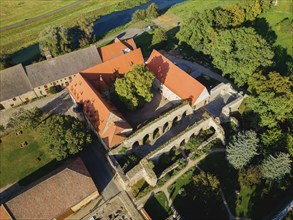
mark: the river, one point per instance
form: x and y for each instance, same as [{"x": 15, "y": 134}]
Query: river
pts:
[{"x": 101, "y": 26}]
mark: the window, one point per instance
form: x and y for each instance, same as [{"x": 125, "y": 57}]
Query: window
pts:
[
  {"x": 45, "y": 86},
  {"x": 14, "y": 99},
  {"x": 70, "y": 78},
  {"x": 39, "y": 88},
  {"x": 50, "y": 83},
  {"x": 54, "y": 83},
  {"x": 1, "y": 107},
  {"x": 12, "y": 105}
]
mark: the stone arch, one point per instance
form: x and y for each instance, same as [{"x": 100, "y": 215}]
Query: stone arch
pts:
[
  {"x": 165, "y": 127},
  {"x": 174, "y": 121},
  {"x": 182, "y": 143},
  {"x": 155, "y": 133},
  {"x": 184, "y": 114},
  {"x": 146, "y": 139},
  {"x": 135, "y": 144}
]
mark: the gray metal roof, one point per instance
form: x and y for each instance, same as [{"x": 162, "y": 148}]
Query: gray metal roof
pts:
[
  {"x": 13, "y": 82},
  {"x": 62, "y": 66}
]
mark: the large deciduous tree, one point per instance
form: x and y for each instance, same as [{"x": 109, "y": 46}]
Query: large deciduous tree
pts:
[
  {"x": 139, "y": 15},
  {"x": 197, "y": 31},
  {"x": 134, "y": 89},
  {"x": 252, "y": 8},
  {"x": 55, "y": 39},
  {"x": 26, "y": 118},
  {"x": 242, "y": 148},
  {"x": 66, "y": 135},
  {"x": 152, "y": 11},
  {"x": 159, "y": 38},
  {"x": 240, "y": 52},
  {"x": 229, "y": 16},
  {"x": 275, "y": 168},
  {"x": 86, "y": 27},
  {"x": 273, "y": 100}
]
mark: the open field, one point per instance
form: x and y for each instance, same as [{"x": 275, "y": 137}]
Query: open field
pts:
[
  {"x": 23, "y": 36},
  {"x": 16, "y": 162},
  {"x": 15, "y": 11},
  {"x": 280, "y": 19}
]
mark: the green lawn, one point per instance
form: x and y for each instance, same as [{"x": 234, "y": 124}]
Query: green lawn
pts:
[
  {"x": 23, "y": 36},
  {"x": 17, "y": 163},
  {"x": 157, "y": 207},
  {"x": 18, "y": 10},
  {"x": 276, "y": 18}
]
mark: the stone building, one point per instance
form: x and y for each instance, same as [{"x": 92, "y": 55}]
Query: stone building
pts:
[{"x": 15, "y": 87}]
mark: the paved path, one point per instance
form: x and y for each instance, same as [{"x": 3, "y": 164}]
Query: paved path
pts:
[
  {"x": 40, "y": 16},
  {"x": 125, "y": 34},
  {"x": 57, "y": 103}
]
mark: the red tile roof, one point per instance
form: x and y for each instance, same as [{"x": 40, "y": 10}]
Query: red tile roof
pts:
[
  {"x": 4, "y": 215},
  {"x": 87, "y": 88},
  {"x": 116, "y": 49},
  {"x": 175, "y": 79},
  {"x": 55, "y": 195}
]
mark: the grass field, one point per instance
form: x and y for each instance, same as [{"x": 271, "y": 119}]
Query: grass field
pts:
[
  {"x": 25, "y": 35},
  {"x": 17, "y": 163},
  {"x": 277, "y": 18},
  {"x": 19, "y": 10}
]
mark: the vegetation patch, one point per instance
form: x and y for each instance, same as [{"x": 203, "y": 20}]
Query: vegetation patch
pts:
[{"x": 157, "y": 207}]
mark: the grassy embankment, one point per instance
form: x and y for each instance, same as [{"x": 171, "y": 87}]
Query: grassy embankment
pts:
[{"x": 25, "y": 35}]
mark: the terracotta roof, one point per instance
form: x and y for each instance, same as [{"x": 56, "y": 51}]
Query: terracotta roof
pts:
[
  {"x": 104, "y": 117},
  {"x": 174, "y": 78},
  {"x": 116, "y": 49},
  {"x": 13, "y": 82},
  {"x": 55, "y": 195},
  {"x": 4, "y": 215},
  {"x": 87, "y": 88}
]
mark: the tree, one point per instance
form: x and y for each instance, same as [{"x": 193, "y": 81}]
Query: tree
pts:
[
  {"x": 242, "y": 148},
  {"x": 152, "y": 11},
  {"x": 273, "y": 100},
  {"x": 26, "y": 118},
  {"x": 265, "y": 5},
  {"x": 139, "y": 15},
  {"x": 240, "y": 52},
  {"x": 66, "y": 135},
  {"x": 197, "y": 31},
  {"x": 252, "y": 9},
  {"x": 134, "y": 89},
  {"x": 229, "y": 16},
  {"x": 55, "y": 39},
  {"x": 206, "y": 183},
  {"x": 250, "y": 176},
  {"x": 159, "y": 38},
  {"x": 275, "y": 168},
  {"x": 55, "y": 89},
  {"x": 86, "y": 27}
]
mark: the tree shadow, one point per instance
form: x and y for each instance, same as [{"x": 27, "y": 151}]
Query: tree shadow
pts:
[
  {"x": 263, "y": 28},
  {"x": 283, "y": 62}
]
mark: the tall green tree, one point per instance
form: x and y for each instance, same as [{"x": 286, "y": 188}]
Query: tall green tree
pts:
[
  {"x": 86, "y": 27},
  {"x": 252, "y": 9},
  {"x": 197, "y": 31},
  {"x": 66, "y": 135},
  {"x": 249, "y": 176},
  {"x": 159, "y": 38},
  {"x": 240, "y": 52},
  {"x": 134, "y": 89},
  {"x": 29, "y": 118},
  {"x": 229, "y": 16},
  {"x": 55, "y": 39},
  {"x": 273, "y": 98},
  {"x": 139, "y": 15},
  {"x": 276, "y": 168},
  {"x": 152, "y": 11},
  {"x": 242, "y": 148}
]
